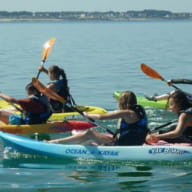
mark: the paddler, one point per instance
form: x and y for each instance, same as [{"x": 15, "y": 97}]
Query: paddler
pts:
[
  {"x": 132, "y": 125},
  {"x": 59, "y": 84},
  {"x": 165, "y": 96},
  {"x": 182, "y": 133},
  {"x": 35, "y": 109}
]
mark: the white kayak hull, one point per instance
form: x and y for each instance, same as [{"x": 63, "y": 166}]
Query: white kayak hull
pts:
[{"x": 122, "y": 153}]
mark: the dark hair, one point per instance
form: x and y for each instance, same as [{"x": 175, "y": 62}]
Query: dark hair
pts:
[
  {"x": 127, "y": 100},
  {"x": 180, "y": 99},
  {"x": 31, "y": 87},
  {"x": 58, "y": 72}
]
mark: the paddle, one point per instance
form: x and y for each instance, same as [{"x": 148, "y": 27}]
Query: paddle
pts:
[
  {"x": 163, "y": 125},
  {"x": 154, "y": 74},
  {"x": 15, "y": 106},
  {"x": 53, "y": 95},
  {"x": 46, "y": 50}
]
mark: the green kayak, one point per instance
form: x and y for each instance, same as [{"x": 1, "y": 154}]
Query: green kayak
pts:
[{"x": 145, "y": 102}]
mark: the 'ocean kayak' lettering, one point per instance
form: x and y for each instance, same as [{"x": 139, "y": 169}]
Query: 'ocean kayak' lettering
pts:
[
  {"x": 167, "y": 151},
  {"x": 91, "y": 152}
]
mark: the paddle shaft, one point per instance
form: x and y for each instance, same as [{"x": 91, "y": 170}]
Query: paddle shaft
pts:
[
  {"x": 164, "y": 125},
  {"x": 89, "y": 119},
  {"x": 42, "y": 64},
  {"x": 53, "y": 95},
  {"x": 171, "y": 84},
  {"x": 15, "y": 106}
]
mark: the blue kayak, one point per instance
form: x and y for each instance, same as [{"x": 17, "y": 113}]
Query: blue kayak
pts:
[{"x": 123, "y": 153}]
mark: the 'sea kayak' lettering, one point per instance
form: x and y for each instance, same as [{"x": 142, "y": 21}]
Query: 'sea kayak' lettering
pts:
[
  {"x": 91, "y": 152},
  {"x": 167, "y": 151}
]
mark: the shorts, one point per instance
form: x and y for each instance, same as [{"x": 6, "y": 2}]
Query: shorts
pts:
[{"x": 15, "y": 119}]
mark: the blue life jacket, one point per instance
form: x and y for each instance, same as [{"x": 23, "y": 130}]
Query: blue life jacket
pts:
[
  {"x": 134, "y": 133},
  {"x": 138, "y": 126}
]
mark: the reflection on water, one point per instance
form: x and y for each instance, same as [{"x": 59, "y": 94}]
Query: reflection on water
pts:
[{"x": 44, "y": 173}]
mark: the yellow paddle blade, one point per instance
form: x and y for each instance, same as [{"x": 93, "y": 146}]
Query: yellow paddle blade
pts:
[
  {"x": 151, "y": 72},
  {"x": 47, "y": 48},
  {"x": 46, "y": 91}
]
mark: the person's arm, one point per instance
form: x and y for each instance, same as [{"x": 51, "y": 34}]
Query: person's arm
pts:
[
  {"x": 8, "y": 98},
  {"x": 181, "y": 81},
  {"x": 113, "y": 115},
  {"x": 177, "y": 131},
  {"x": 43, "y": 69}
]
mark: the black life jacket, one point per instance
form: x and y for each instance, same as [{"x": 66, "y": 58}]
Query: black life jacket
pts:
[
  {"x": 63, "y": 91},
  {"x": 188, "y": 131},
  {"x": 34, "y": 118}
]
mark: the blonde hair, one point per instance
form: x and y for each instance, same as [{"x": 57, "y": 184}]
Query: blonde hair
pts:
[{"x": 127, "y": 99}]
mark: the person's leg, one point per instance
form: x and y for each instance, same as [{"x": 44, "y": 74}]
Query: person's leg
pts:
[
  {"x": 86, "y": 137},
  {"x": 78, "y": 138},
  {"x": 4, "y": 116}
]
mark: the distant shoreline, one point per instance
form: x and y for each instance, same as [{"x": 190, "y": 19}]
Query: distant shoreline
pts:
[
  {"x": 145, "y": 15},
  {"x": 109, "y": 20}
]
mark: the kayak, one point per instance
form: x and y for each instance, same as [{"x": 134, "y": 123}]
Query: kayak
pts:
[
  {"x": 145, "y": 102},
  {"x": 51, "y": 127},
  {"x": 75, "y": 115},
  {"x": 60, "y": 116},
  {"x": 15, "y": 143}
]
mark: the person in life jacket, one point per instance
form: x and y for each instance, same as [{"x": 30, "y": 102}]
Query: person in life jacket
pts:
[
  {"x": 34, "y": 110},
  {"x": 59, "y": 84},
  {"x": 132, "y": 125},
  {"x": 182, "y": 133}
]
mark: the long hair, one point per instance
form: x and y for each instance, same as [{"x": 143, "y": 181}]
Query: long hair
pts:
[
  {"x": 180, "y": 98},
  {"x": 59, "y": 73},
  {"x": 127, "y": 100}
]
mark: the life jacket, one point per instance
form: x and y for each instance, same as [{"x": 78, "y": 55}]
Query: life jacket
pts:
[
  {"x": 63, "y": 91},
  {"x": 188, "y": 131},
  {"x": 34, "y": 118},
  {"x": 134, "y": 133}
]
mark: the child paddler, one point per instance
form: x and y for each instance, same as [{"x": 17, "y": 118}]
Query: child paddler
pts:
[
  {"x": 132, "y": 125},
  {"x": 35, "y": 108},
  {"x": 59, "y": 84}
]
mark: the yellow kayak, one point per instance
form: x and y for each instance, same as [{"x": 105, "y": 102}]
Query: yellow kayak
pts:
[
  {"x": 51, "y": 127},
  {"x": 59, "y": 116}
]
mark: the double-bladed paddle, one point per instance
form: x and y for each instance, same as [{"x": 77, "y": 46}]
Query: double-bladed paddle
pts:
[
  {"x": 49, "y": 93},
  {"x": 46, "y": 50},
  {"x": 154, "y": 74}
]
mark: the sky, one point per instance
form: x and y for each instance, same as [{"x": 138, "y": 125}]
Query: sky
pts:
[{"x": 95, "y": 5}]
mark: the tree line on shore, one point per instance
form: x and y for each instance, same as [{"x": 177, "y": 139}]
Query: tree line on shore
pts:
[{"x": 82, "y": 15}]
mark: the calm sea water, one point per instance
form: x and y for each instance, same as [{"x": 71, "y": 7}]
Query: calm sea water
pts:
[{"x": 99, "y": 58}]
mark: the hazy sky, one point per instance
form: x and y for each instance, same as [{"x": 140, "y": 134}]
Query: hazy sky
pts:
[{"x": 95, "y": 5}]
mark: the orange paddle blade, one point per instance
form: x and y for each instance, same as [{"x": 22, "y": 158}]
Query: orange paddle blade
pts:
[
  {"x": 47, "y": 48},
  {"x": 151, "y": 72},
  {"x": 46, "y": 91}
]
